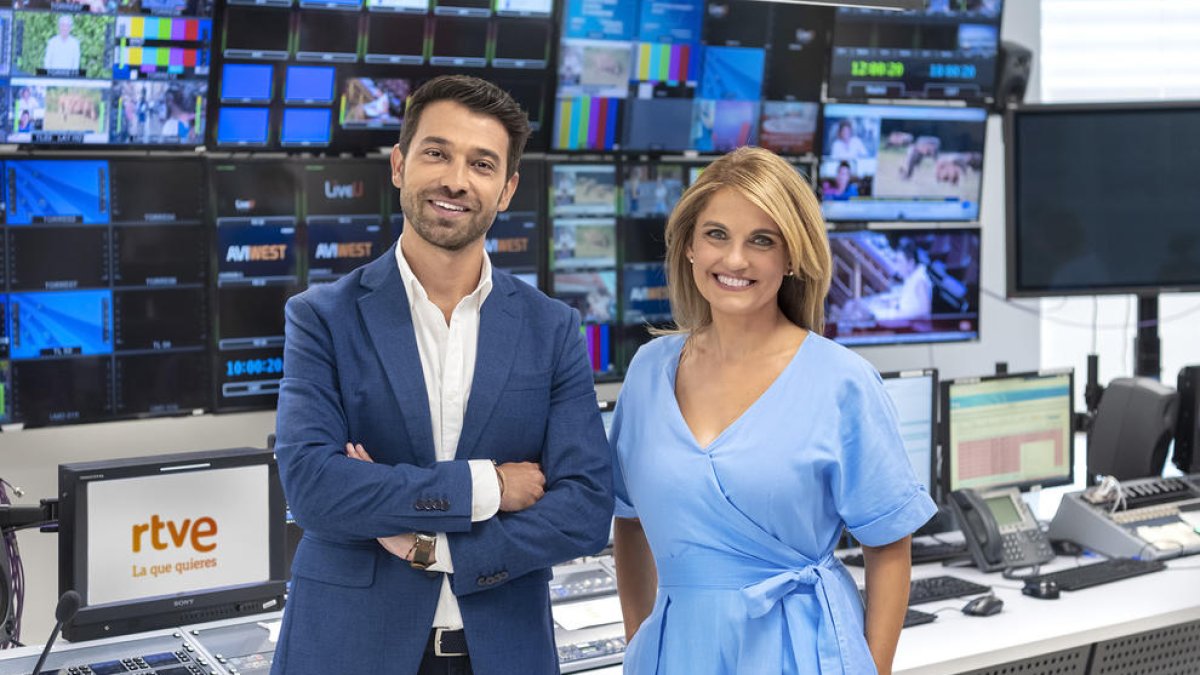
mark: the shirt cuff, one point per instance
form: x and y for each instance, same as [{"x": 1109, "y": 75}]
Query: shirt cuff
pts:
[
  {"x": 441, "y": 553},
  {"x": 485, "y": 490}
]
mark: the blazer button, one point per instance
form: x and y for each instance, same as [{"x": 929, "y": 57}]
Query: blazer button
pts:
[
  {"x": 503, "y": 576},
  {"x": 481, "y": 581},
  {"x": 443, "y": 504}
]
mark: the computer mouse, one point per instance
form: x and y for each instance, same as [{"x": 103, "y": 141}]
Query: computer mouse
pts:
[
  {"x": 1041, "y": 588},
  {"x": 985, "y": 605}
]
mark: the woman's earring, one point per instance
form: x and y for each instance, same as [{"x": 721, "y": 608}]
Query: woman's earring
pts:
[{"x": 691, "y": 261}]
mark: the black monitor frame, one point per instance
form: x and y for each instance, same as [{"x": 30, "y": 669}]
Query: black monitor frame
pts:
[
  {"x": 944, "y": 440},
  {"x": 163, "y": 611},
  {"x": 1010, "y": 197},
  {"x": 934, "y": 446}
]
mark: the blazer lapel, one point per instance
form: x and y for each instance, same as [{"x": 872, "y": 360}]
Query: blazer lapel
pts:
[
  {"x": 499, "y": 325},
  {"x": 389, "y": 324}
]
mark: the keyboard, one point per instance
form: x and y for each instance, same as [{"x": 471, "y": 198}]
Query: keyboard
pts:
[
  {"x": 932, "y": 589},
  {"x": 916, "y": 618},
  {"x": 921, "y": 553},
  {"x": 1113, "y": 569}
]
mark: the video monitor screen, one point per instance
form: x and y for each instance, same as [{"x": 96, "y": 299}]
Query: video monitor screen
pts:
[
  {"x": 459, "y": 42},
  {"x": 914, "y": 395},
  {"x": 396, "y": 38},
  {"x": 592, "y": 293},
  {"x": 406, "y": 6},
  {"x": 737, "y": 23},
  {"x": 658, "y": 124},
  {"x": 674, "y": 66},
  {"x": 886, "y": 163},
  {"x": 308, "y": 84},
  {"x": 250, "y": 253},
  {"x": 651, "y": 189},
  {"x": 674, "y": 21},
  {"x": 530, "y": 94},
  {"x": 1069, "y": 221},
  {"x": 62, "y": 45},
  {"x": 59, "y": 111},
  {"x": 251, "y": 316},
  {"x": 147, "y": 542},
  {"x": 513, "y": 242},
  {"x": 798, "y": 59},
  {"x": 243, "y": 126},
  {"x": 57, "y": 258},
  {"x": 158, "y": 384},
  {"x": 336, "y": 189},
  {"x": 60, "y": 323},
  {"x": 160, "y": 318},
  {"x": 249, "y": 378},
  {"x": 306, "y": 126},
  {"x": 904, "y": 286},
  {"x": 601, "y": 346},
  {"x": 61, "y": 391},
  {"x": 596, "y": 68},
  {"x": 159, "y": 112},
  {"x": 336, "y": 249},
  {"x": 520, "y": 43},
  {"x": 946, "y": 51},
  {"x": 160, "y": 255},
  {"x": 732, "y": 74},
  {"x": 646, "y": 297},
  {"x": 374, "y": 103},
  {"x": 605, "y": 20},
  {"x": 328, "y": 36},
  {"x": 343, "y": 5},
  {"x": 162, "y": 47},
  {"x": 789, "y": 128},
  {"x": 481, "y": 8},
  {"x": 524, "y": 7},
  {"x": 56, "y": 191},
  {"x": 257, "y": 33},
  {"x": 584, "y": 189},
  {"x": 1010, "y": 430},
  {"x": 644, "y": 240},
  {"x": 264, "y": 191},
  {"x": 721, "y": 126},
  {"x": 157, "y": 191},
  {"x": 166, "y": 7},
  {"x": 586, "y": 123},
  {"x": 584, "y": 242},
  {"x": 531, "y": 189}
]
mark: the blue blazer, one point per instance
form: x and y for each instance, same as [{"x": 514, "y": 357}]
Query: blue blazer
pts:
[{"x": 352, "y": 373}]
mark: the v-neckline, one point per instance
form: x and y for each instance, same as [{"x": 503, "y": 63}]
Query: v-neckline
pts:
[{"x": 672, "y": 374}]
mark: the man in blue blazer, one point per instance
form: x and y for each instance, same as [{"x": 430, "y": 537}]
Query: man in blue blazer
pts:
[{"x": 438, "y": 435}]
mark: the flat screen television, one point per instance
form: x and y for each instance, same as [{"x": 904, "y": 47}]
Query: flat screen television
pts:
[
  {"x": 170, "y": 540},
  {"x": 1100, "y": 200}
]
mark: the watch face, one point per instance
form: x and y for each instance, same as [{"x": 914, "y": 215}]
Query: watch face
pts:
[{"x": 423, "y": 550}]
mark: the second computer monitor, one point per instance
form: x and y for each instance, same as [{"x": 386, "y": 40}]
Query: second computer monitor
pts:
[
  {"x": 914, "y": 395},
  {"x": 1008, "y": 430}
]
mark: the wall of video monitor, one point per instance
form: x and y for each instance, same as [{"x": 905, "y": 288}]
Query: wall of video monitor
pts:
[{"x": 155, "y": 284}]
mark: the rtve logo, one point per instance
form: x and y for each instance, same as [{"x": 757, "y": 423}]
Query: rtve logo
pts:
[
  {"x": 335, "y": 190},
  {"x": 178, "y": 534},
  {"x": 337, "y": 251},
  {"x": 259, "y": 253}
]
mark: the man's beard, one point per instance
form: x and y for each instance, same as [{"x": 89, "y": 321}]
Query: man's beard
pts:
[{"x": 443, "y": 232}]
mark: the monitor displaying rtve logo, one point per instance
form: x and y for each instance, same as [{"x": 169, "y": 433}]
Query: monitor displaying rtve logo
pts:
[{"x": 198, "y": 534}]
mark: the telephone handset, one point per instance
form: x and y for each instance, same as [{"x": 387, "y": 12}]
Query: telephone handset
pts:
[{"x": 1000, "y": 530}]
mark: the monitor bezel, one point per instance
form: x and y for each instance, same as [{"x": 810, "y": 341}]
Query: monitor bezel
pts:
[
  {"x": 944, "y": 440},
  {"x": 934, "y": 446},
  {"x": 133, "y": 616},
  {"x": 1012, "y": 288}
]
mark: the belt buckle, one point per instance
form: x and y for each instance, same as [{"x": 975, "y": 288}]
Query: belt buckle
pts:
[{"x": 437, "y": 643}]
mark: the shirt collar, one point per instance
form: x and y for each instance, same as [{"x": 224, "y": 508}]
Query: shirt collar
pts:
[{"x": 415, "y": 289}]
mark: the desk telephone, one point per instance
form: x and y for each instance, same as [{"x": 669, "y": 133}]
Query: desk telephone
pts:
[{"x": 1000, "y": 530}]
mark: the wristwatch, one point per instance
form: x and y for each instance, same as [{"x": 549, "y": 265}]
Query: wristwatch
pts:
[{"x": 422, "y": 553}]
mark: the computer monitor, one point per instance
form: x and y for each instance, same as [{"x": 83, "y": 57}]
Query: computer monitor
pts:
[
  {"x": 607, "y": 408},
  {"x": 892, "y": 162},
  {"x": 170, "y": 540},
  {"x": 904, "y": 286},
  {"x": 1011, "y": 430},
  {"x": 914, "y": 395},
  {"x": 1069, "y": 213}
]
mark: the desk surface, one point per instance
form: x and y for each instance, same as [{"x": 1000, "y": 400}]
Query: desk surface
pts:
[{"x": 1029, "y": 626}]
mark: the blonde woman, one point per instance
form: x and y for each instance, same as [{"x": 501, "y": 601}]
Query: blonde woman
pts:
[{"x": 745, "y": 442}]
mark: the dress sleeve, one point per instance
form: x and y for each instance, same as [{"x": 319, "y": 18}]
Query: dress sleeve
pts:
[
  {"x": 877, "y": 494},
  {"x": 624, "y": 505}
]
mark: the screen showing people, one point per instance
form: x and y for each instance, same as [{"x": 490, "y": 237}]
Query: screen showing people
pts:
[
  {"x": 888, "y": 163},
  {"x": 904, "y": 286}
]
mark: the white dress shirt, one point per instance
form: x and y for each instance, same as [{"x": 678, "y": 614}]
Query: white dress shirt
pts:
[{"x": 448, "y": 364}]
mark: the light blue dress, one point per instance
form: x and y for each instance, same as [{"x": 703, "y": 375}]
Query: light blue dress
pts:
[{"x": 743, "y": 530}]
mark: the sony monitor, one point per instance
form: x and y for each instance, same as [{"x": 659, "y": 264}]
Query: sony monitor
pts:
[
  {"x": 1100, "y": 201},
  {"x": 899, "y": 286},
  {"x": 1010, "y": 430},
  {"x": 170, "y": 540}
]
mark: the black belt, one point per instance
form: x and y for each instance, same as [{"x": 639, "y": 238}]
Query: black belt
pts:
[{"x": 446, "y": 642}]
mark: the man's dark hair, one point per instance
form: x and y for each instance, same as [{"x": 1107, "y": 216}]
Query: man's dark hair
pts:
[{"x": 479, "y": 96}]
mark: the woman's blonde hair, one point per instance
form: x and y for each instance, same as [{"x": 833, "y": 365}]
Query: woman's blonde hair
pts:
[{"x": 774, "y": 186}]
